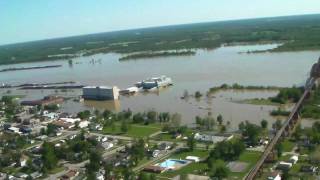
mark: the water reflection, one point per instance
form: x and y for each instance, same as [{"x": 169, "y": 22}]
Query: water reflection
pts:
[{"x": 112, "y": 105}]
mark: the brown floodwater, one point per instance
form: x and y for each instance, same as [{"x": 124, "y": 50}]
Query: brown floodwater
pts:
[{"x": 206, "y": 69}]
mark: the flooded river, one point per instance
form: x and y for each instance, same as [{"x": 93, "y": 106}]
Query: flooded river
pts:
[{"x": 206, "y": 69}]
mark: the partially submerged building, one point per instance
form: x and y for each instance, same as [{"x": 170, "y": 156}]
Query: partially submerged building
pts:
[
  {"x": 47, "y": 100},
  {"x": 100, "y": 93}
]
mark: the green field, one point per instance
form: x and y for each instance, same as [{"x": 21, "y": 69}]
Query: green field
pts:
[
  {"x": 287, "y": 145},
  {"x": 250, "y": 157},
  {"x": 136, "y": 131}
]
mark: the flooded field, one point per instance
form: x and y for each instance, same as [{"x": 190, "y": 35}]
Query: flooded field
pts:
[{"x": 206, "y": 69}]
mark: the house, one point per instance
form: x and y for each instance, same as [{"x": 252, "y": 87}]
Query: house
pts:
[
  {"x": 70, "y": 120},
  {"x": 23, "y": 160},
  {"x": 100, "y": 174},
  {"x": 95, "y": 127},
  {"x": 3, "y": 175},
  {"x": 70, "y": 175},
  {"x": 274, "y": 176},
  {"x": 36, "y": 175},
  {"x": 308, "y": 169},
  {"x": 285, "y": 166},
  {"x": 164, "y": 146},
  {"x": 193, "y": 158},
  {"x": 294, "y": 159},
  {"x": 14, "y": 130},
  {"x": 83, "y": 124},
  {"x": 37, "y": 162},
  {"x": 63, "y": 124},
  {"x": 102, "y": 138},
  {"x": 107, "y": 145},
  {"x": 42, "y": 137},
  {"x": 51, "y": 116},
  {"x": 155, "y": 153},
  {"x": 154, "y": 169},
  {"x": 47, "y": 100},
  {"x": 25, "y": 129},
  {"x": 214, "y": 138},
  {"x": 21, "y": 175}
]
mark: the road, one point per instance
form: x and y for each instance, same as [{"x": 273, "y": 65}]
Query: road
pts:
[{"x": 65, "y": 134}]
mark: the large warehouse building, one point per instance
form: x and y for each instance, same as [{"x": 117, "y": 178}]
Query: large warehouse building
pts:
[{"x": 100, "y": 92}]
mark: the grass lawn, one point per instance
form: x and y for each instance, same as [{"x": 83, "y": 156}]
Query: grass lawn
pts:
[
  {"x": 167, "y": 137},
  {"x": 56, "y": 170},
  {"x": 193, "y": 168},
  {"x": 250, "y": 157},
  {"x": 135, "y": 130},
  {"x": 287, "y": 145},
  {"x": 285, "y": 157},
  {"x": 257, "y": 101}
]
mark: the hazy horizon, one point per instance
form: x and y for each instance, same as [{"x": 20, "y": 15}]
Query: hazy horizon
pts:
[{"x": 39, "y": 20}]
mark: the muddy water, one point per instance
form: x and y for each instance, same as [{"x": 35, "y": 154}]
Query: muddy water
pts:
[{"x": 200, "y": 72}]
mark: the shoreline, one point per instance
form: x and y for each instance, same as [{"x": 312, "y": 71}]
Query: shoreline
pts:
[{"x": 30, "y": 68}]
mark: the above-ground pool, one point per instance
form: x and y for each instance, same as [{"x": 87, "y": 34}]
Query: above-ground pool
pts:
[{"x": 172, "y": 163}]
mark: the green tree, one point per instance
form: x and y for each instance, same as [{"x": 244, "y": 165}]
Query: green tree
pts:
[
  {"x": 250, "y": 131},
  {"x": 197, "y": 94},
  {"x": 191, "y": 142},
  {"x": 84, "y": 114},
  {"x": 264, "y": 124},
  {"x": 277, "y": 125},
  {"x": 220, "y": 119},
  {"x": 279, "y": 149},
  {"x": 227, "y": 150},
  {"x": 298, "y": 132},
  {"x": 48, "y": 156},
  {"x": 143, "y": 176},
  {"x": 175, "y": 120},
  {"x": 94, "y": 164},
  {"x": 108, "y": 171},
  {"x": 218, "y": 170},
  {"x": 124, "y": 126}
]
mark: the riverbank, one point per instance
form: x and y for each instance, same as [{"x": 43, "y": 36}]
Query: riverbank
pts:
[
  {"x": 29, "y": 68},
  {"x": 236, "y": 86},
  {"x": 157, "y": 54}
]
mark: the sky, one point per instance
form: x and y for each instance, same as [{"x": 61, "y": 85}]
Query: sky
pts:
[{"x": 28, "y": 20}]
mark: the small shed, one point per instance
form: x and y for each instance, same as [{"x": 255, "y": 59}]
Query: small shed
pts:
[
  {"x": 274, "y": 176},
  {"x": 193, "y": 158},
  {"x": 294, "y": 159},
  {"x": 284, "y": 166}
]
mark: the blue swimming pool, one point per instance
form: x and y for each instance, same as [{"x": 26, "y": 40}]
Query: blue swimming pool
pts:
[{"x": 171, "y": 163}]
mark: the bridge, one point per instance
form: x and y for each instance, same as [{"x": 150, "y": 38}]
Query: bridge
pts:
[{"x": 289, "y": 124}]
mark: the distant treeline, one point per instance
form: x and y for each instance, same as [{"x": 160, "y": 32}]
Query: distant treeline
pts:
[
  {"x": 297, "y": 33},
  {"x": 237, "y": 86},
  {"x": 158, "y": 54}
]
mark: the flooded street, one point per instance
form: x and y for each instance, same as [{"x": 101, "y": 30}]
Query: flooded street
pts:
[{"x": 208, "y": 68}]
